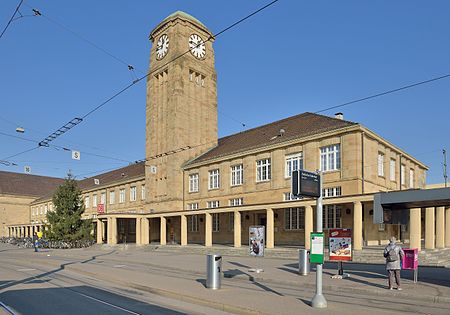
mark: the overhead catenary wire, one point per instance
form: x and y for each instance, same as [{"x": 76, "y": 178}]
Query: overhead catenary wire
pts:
[
  {"x": 38, "y": 12},
  {"x": 11, "y": 19},
  {"x": 385, "y": 93},
  {"x": 78, "y": 120}
]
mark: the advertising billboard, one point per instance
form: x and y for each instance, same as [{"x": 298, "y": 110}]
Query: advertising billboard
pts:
[{"x": 340, "y": 243}]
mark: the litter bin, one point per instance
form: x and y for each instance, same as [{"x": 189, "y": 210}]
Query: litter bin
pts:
[
  {"x": 303, "y": 262},
  {"x": 213, "y": 271}
]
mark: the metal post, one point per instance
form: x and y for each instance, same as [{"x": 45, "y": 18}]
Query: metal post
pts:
[
  {"x": 444, "y": 152},
  {"x": 319, "y": 300}
]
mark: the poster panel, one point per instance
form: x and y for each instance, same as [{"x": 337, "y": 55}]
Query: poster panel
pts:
[
  {"x": 316, "y": 252},
  {"x": 340, "y": 243},
  {"x": 256, "y": 240}
]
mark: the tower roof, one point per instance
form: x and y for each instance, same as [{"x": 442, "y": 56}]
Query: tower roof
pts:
[{"x": 183, "y": 16}]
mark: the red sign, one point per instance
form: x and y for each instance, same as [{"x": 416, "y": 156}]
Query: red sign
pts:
[
  {"x": 411, "y": 259},
  {"x": 340, "y": 242},
  {"x": 100, "y": 208}
]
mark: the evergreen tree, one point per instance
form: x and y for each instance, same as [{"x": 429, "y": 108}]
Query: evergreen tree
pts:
[{"x": 65, "y": 223}]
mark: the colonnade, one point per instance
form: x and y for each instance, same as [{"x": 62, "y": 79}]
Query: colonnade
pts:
[
  {"x": 24, "y": 230},
  {"x": 437, "y": 227}
]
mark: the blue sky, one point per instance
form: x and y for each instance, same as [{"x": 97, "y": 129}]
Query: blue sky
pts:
[{"x": 296, "y": 56}]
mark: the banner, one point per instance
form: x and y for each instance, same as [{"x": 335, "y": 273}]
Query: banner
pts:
[
  {"x": 256, "y": 240},
  {"x": 340, "y": 242}
]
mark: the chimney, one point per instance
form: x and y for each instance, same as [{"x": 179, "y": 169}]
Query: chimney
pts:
[{"x": 339, "y": 116}]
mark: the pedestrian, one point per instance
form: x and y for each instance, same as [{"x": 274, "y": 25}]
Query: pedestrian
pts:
[
  {"x": 394, "y": 255},
  {"x": 35, "y": 241}
]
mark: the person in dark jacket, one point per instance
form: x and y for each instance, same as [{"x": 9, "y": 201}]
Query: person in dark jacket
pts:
[
  {"x": 394, "y": 255},
  {"x": 35, "y": 241}
]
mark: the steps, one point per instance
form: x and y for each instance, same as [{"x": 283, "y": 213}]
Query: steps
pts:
[{"x": 372, "y": 255}]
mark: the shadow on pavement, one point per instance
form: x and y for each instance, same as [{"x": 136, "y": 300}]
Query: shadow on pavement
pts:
[
  {"x": 77, "y": 300},
  {"x": 45, "y": 274},
  {"x": 239, "y": 264}
]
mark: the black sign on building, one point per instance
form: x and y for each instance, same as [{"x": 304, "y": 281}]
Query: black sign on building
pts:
[{"x": 306, "y": 184}]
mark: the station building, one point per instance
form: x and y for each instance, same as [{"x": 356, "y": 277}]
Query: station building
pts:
[{"x": 196, "y": 188}]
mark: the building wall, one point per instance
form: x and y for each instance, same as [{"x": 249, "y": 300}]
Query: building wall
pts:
[{"x": 14, "y": 210}]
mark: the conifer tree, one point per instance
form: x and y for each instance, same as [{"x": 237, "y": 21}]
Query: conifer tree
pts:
[{"x": 65, "y": 223}]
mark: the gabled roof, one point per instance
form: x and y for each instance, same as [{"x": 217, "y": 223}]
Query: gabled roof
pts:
[
  {"x": 298, "y": 126},
  {"x": 133, "y": 171},
  {"x": 121, "y": 174},
  {"x": 27, "y": 185}
]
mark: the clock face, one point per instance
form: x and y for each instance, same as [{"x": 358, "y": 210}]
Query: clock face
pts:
[
  {"x": 197, "y": 46},
  {"x": 162, "y": 46}
]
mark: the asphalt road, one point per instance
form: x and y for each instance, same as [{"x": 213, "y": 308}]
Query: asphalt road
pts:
[
  {"x": 98, "y": 282},
  {"x": 36, "y": 290}
]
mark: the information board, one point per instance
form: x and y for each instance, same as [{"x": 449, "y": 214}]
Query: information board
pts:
[
  {"x": 340, "y": 244},
  {"x": 256, "y": 240},
  {"x": 317, "y": 248},
  {"x": 305, "y": 183}
]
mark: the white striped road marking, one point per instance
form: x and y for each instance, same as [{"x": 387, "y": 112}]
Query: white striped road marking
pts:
[
  {"x": 119, "y": 266},
  {"x": 26, "y": 269},
  {"x": 106, "y": 303},
  {"x": 7, "y": 308}
]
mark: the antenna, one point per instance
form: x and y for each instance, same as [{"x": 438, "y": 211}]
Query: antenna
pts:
[{"x": 444, "y": 152}]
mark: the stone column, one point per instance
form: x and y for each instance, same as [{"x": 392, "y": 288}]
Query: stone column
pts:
[
  {"x": 113, "y": 231},
  {"x": 138, "y": 231},
  {"x": 237, "y": 229},
  {"x": 429, "y": 228},
  {"x": 447, "y": 227},
  {"x": 415, "y": 228},
  {"x": 308, "y": 226},
  {"x": 145, "y": 231},
  {"x": 184, "y": 230},
  {"x": 208, "y": 229},
  {"x": 99, "y": 231},
  {"x": 357, "y": 225},
  {"x": 440, "y": 227},
  {"x": 162, "y": 233},
  {"x": 270, "y": 233}
]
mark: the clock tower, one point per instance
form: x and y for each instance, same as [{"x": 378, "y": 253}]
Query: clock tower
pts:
[{"x": 181, "y": 111}]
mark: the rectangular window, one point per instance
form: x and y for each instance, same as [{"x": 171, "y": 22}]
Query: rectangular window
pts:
[
  {"x": 236, "y": 202},
  {"x": 143, "y": 192},
  {"x": 215, "y": 222},
  {"x": 193, "y": 206},
  {"x": 133, "y": 193},
  {"x": 293, "y": 163},
  {"x": 193, "y": 182},
  {"x": 290, "y": 197},
  {"x": 263, "y": 172},
  {"x": 231, "y": 221},
  {"x": 86, "y": 202},
  {"x": 122, "y": 195},
  {"x": 237, "y": 175},
  {"x": 380, "y": 164},
  {"x": 381, "y": 227},
  {"x": 214, "y": 179},
  {"x": 330, "y": 158},
  {"x": 411, "y": 178},
  {"x": 392, "y": 170},
  {"x": 94, "y": 201},
  {"x": 213, "y": 204},
  {"x": 402, "y": 172},
  {"x": 332, "y": 217},
  {"x": 103, "y": 198},
  {"x": 112, "y": 197},
  {"x": 294, "y": 218},
  {"x": 193, "y": 223},
  {"x": 332, "y": 192}
]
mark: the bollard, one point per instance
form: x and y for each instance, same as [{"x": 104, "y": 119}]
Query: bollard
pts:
[
  {"x": 213, "y": 271},
  {"x": 303, "y": 262}
]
